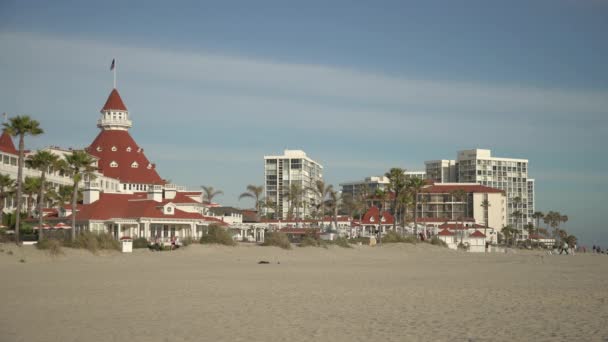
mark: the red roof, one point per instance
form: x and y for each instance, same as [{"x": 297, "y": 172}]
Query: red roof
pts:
[
  {"x": 440, "y": 219},
  {"x": 445, "y": 232},
  {"x": 6, "y": 144},
  {"x": 458, "y": 226},
  {"x": 131, "y": 206},
  {"x": 477, "y": 233},
  {"x": 439, "y": 188},
  {"x": 374, "y": 213},
  {"x": 114, "y": 102},
  {"x": 126, "y": 152}
]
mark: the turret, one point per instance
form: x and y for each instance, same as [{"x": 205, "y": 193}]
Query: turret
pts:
[{"x": 114, "y": 114}]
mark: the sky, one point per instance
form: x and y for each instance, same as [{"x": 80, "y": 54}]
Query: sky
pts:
[{"x": 361, "y": 86}]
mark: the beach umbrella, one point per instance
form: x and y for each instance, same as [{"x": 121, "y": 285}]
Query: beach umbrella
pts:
[
  {"x": 62, "y": 225},
  {"x": 44, "y": 226}
]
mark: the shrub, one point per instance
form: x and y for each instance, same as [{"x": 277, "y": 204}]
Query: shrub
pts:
[
  {"x": 342, "y": 242},
  {"x": 217, "y": 235},
  {"x": 187, "y": 241},
  {"x": 437, "y": 242},
  {"x": 309, "y": 241},
  {"x": 277, "y": 239},
  {"x": 107, "y": 241},
  {"x": 140, "y": 243},
  {"x": 393, "y": 237},
  {"x": 363, "y": 240},
  {"x": 52, "y": 246}
]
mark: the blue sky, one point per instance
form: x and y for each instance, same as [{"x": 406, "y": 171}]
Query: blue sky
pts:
[{"x": 360, "y": 86}]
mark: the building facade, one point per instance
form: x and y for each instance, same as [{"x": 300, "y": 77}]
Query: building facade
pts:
[
  {"x": 507, "y": 174},
  {"x": 292, "y": 171},
  {"x": 373, "y": 183}
]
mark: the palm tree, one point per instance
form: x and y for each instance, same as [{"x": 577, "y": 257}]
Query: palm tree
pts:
[
  {"x": 397, "y": 184},
  {"x": 254, "y": 192},
  {"x": 333, "y": 203},
  {"x": 294, "y": 199},
  {"x": 80, "y": 166},
  {"x": 7, "y": 188},
  {"x": 508, "y": 233},
  {"x": 460, "y": 196},
  {"x": 209, "y": 193},
  {"x": 321, "y": 191},
  {"x": 537, "y": 216},
  {"x": 415, "y": 185},
  {"x": 405, "y": 201},
  {"x": 31, "y": 187},
  {"x": 20, "y": 126},
  {"x": 485, "y": 204},
  {"x": 518, "y": 214},
  {"x": 43, "y": 161}
]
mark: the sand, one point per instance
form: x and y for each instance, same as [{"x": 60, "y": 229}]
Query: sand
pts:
[{"x": 391, "y": 293}]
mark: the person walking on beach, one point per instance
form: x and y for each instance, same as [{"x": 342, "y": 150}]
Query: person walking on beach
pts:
[{"x": 564, "y": 248}]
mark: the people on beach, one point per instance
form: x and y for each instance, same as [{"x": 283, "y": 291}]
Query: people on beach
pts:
[{"x": 564, "y": 248}]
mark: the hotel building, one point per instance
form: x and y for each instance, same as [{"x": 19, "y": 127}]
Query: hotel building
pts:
[
  {"x": 374, "y": 183},
  {"x": 507, "y": 174},
  {"x": 294, "y": 167}
]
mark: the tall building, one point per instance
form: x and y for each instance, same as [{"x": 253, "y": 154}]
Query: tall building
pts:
[
  {"x": 374, "y": 183},
  {"x": 507, "y": 174},
  {"x": 281, "y": 172}
]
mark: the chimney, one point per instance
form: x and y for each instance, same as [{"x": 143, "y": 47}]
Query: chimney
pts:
[
  {"x": 91, "y": 192},
  {"x": 155, "y": 193}
]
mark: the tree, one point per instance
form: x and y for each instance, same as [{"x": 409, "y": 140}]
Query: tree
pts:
[
  {"x": 460, "y": 196},
  {"x": 518, "y": 214},
  {"x": 44, "y": 162},
  {"x": 530, "y": 228},
  {"x": 397, "y": 184},
  {"x": 321, "y": 191},
  {"x": 294, "y": 199},
  {"x": 333, "y": 204},
  {"x": 209, "y": 193},
  {"x": 80, "y": 166},
  {"x": 405, "y": 201},
  {"x": 20, "y": 126},
  {"x": 508, "y": 232},
  {"x": 554, "y": 219},
  {"x": 415, "y": 185},
  {"x": 537, "y": 216},
  {"x": 31, "y": 187},
  {"x": 7, "y": 189},
  {"x": 254, "y": 192},
  {"x": 485, "y": 204}
]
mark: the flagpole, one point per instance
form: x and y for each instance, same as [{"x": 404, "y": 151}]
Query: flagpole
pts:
[{"x": 114, "y": 73}]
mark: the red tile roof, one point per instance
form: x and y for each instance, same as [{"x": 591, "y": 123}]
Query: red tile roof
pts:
[
  {"x": 445, "y": 232},
  {"x": 6, "y": 144},
  {"x": 458, "y": 226},
  {"x": 127, "y": 206},
  {"x": 477, "y": 233},
  {"x": 439, "y": 188},
  {"x": 106, "y": 140},
  {"x": 374, "y": 212},
  {"x": 440, "y": 219},
  {"x": 114, "y": 102}
]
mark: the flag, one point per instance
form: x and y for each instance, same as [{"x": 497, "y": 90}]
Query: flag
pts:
[{"x": 113, "y": 64}]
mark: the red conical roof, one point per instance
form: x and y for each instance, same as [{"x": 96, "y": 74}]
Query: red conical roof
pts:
[
  {"x": 6, "y": 143},
  {"x": 114, "y": 102},
  {"x": 131, "y": 165}
]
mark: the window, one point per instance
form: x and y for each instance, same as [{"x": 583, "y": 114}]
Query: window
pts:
[
  {"x": 135, "y": 165},
  {"x": 129, "y": 149},
  {"x": 149, "y": 166},
  {"x": 113, "y": 164},
  {"x": 114, "y": 148},
  {"x": 98, "y": 148}
]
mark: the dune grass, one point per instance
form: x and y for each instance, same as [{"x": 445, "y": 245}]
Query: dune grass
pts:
[
  {"x": 217, "y": 235},
  {"x": 276, "y": 239},
  {"x": 52, "y": 246}
]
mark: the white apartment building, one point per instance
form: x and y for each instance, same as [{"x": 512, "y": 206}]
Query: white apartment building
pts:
[
  {"x": 294, "y": 167},
  {"x": 507, "y": 174},
  {"x": 373, "y": 183}
]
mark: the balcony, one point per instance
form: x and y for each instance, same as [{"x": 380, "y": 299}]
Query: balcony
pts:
[{"x": 114, "y": 122}]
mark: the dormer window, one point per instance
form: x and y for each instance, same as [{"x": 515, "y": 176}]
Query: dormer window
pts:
[
  {"x": 371, "y": 219},
  {"x": 98, "y": 148},
  {"x": 129, "y": 149},
  {"x": 114, "y": 148},
  {"x": 113, "y": 164},
  {"x": 135, "y": 165},
  {"x": 139, "y": 150},
  {"x": 149, "y": 166}
]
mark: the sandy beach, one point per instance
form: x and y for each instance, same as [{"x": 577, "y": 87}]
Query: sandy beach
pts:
[{"x": 396, "y": 292}]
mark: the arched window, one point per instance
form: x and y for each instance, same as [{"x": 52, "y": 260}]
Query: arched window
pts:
[
  {"x": 114, "y": 148},
  {"x": 113, "y": 164},
  {"x": 129, "y": 149},
  {"x": 98, "y": 148}
]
